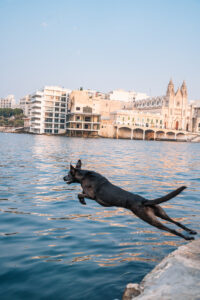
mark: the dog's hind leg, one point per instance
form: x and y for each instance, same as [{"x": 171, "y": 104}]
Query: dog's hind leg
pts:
[
  {"x": 149, "y": 217},
  {"x": 159, "y": 212}
]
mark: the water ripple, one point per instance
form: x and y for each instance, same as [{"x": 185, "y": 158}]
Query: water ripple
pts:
[{"x": 52, "y": 242}]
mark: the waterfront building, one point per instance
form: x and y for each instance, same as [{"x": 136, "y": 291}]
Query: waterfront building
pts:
[
  {"x": 195, "y": 116},
  {"x": 86, "y": 110},
  {"x": 24, "y": 104},
  {"x": 8, "y": 102},
  {"x": 169, "y": 117},
  {"x": 83, "y": 123},
  {"x": 118, "y": 114},
  {"x": 173, "y": 107},
  {"x": 48, "y": 109}
]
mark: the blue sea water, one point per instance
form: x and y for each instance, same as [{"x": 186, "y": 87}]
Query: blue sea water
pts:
[{"x": 52, "y": 247}]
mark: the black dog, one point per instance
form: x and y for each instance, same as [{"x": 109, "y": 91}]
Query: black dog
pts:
[{"x": 98, "y": 188}]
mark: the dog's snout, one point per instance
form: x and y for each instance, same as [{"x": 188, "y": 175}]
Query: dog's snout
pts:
[{"x": 65, "y": 178}]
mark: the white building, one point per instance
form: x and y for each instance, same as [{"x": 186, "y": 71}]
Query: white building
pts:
[
  {"x": 24, "y": 104},
  {"x": 8, "y": 102},
  {"x": 122, "y": 95},
  {"x": 48, "y": 109}
]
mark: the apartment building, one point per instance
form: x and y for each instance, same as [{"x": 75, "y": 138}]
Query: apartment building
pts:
[
  {"x": 48, "y": 109},
  {"x": 83, "y": 117},
  {"x": 7, "y": 102},
  {"x": 87, "y": 108},
  {"x": 24, "y": 104}
]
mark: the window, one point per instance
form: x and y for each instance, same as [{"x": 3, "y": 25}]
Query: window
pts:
[
  {"x": 56, "y": 109},
  {"x": 62, "y": 109},
  {"x": 77, "y": 108},
  {"x": 48, "y": 125},
  {"x": 48, "y": 131},
  {"x": 86, "y": 126},
  {"x": 77, "y": 118},
  {"x": 48, "y": 120},
  {"x": 62, "y": 104},
  {"x": 77, "y": 126},
  {"x": 48, "y": 115},
  {"x": 87, "y": 119},
  {"x": 56, "y": 131},
  {"x": 56, "y": 121},
  {"x": 56, "y": 126},
  {"x": 57, "y": 104},
  {"x": 62, "y": 126},
  {"x": 56, "y": 115},
  {"x": 62, "y": 121}
]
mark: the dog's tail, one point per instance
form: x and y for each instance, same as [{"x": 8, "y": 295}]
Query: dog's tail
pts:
[{"x": 165, "y": 198}]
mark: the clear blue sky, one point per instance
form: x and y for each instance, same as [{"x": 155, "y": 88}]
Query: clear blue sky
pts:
[{"x": 99, "y": 44}]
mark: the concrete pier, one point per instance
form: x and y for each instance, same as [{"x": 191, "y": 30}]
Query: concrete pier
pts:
[{"x": 176, "y": 277}]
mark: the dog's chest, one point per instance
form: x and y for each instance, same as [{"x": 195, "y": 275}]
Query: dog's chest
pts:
[{"x": 89, "y": 190}]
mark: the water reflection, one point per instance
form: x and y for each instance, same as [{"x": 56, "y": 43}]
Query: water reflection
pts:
[{"x": 44, "y": 227}]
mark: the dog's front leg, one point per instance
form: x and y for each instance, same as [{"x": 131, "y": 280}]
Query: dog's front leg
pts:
[{"x": 81, "y": 198}]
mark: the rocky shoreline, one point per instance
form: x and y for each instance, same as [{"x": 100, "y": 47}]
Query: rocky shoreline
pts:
[{"x": 176, "y": 277}]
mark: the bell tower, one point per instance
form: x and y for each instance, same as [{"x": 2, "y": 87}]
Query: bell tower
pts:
[
  {"x": 184, "y": 89},
  {"x": 170, "y": 89}
]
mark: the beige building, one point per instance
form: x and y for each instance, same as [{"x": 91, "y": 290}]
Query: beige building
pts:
[
  {"x": 88, "y": 113},
  {"x": 168, "y": 117},
  {"x": 86, "y": 110},
  {"x": 173, "y": 107},
  {"x": 195, "y": 116}
]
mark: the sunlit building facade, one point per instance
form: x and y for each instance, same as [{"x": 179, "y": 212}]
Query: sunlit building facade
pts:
[
  {"x": 48, "y": 109},
  {"x": 169, "y": 117},
  {"x": 8, "y": 102}
]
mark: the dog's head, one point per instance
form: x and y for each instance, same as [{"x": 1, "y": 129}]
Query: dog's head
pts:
[{"x": 73, "y": 174}]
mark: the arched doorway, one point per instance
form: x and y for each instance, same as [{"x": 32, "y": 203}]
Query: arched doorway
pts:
[
  {"x": 176, "y": 125},
  {"x": 124, "y": 133},
  {"x": 187, "y": 127},
  {"x": 149, "y": 135},
  {"x": 138, "y": 134},
  {"x": 160, "y": 135}
]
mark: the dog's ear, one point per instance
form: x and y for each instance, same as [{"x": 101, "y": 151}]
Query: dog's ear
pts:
[
  {"x": 78, "y": 165},
  {"x": 72, "y": 170}
]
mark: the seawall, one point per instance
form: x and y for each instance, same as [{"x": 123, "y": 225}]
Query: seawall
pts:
[{"x": 176, "y": 277}]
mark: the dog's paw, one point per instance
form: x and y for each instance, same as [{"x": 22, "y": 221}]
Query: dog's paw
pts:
[
  {"x": 189, "y": 238},
  {"x": 192, "y": 232},
  {"x": 82, "y": 201}
]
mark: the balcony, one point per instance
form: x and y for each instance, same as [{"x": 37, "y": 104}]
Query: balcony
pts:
[
  {"x": 34, "y": 124},
  {"x": 82, "y": 129}
]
